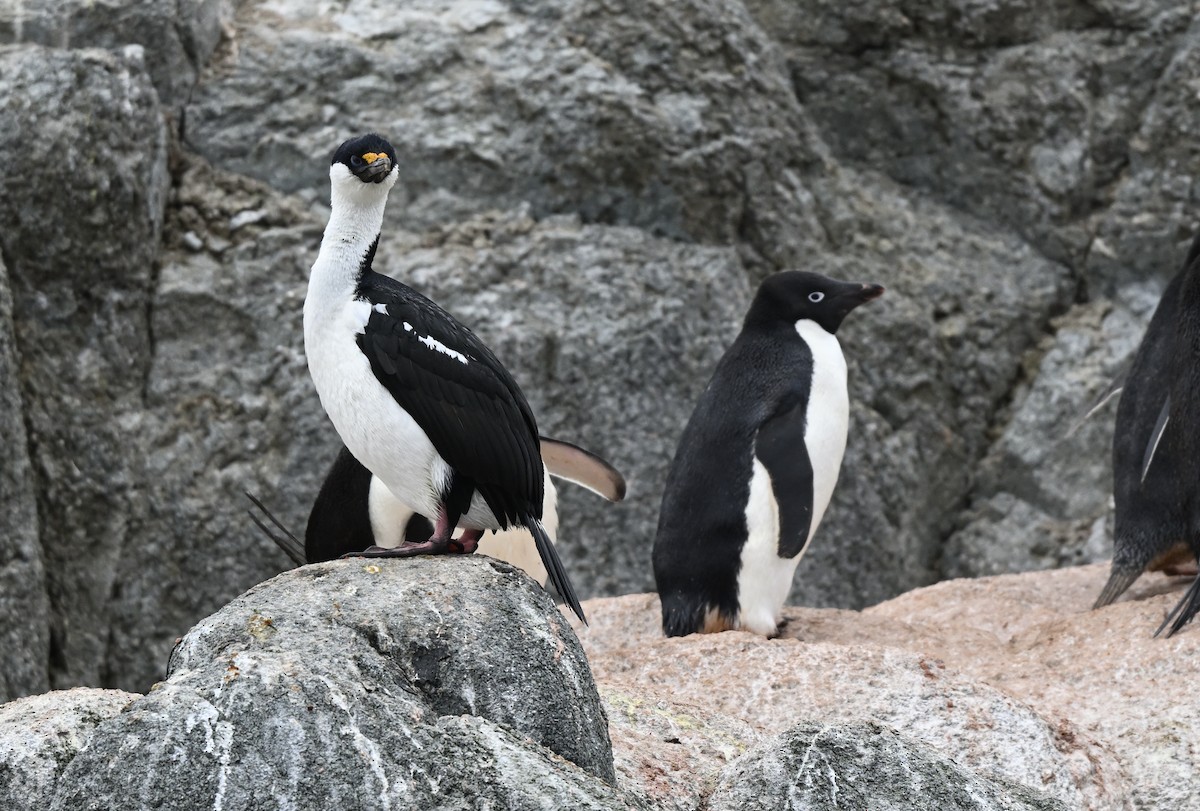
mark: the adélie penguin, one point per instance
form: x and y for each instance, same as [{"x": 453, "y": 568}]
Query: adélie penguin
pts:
[
  {"x": 1156, "y": 447},
  {"x": 416, "y": 397},
  {"x": 758, "y": 461},
  {"x": 354, "y": 510}
]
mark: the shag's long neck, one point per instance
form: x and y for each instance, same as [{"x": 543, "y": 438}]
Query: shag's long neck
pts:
[{"x": 350, "y": 238}]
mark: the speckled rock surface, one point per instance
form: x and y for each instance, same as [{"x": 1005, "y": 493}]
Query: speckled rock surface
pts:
[
  {"x": 403, "y": 684},
  {"x": 40, "y": 735},
  {"x": 815, "y": 767},
  {"x": 24, "y": 609},
  {"x": 81, "y": 208},
  {"x": 1013, "y": 677}
]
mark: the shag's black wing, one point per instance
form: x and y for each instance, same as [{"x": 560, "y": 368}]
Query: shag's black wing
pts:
[{"x": 459, "y": 394}]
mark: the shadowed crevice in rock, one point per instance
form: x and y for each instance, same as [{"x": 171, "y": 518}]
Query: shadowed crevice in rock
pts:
[{"x": 24, "y": 606}]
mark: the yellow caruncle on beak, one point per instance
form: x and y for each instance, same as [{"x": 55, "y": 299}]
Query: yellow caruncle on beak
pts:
[{"x": 371, "y": 157}]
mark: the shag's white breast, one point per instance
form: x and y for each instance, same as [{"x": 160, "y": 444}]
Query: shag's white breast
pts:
[{"x": 370, "y": 422}]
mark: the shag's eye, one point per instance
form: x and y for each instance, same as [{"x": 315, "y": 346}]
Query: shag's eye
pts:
[
  {"x": 815, "y": 296},
  {"x": 356, "y": 161}
]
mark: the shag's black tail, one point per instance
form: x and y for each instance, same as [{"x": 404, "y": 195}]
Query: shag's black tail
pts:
[
  {"x": 554, "y": 567},
  {"x": 1183, "y": 611},
  {"x": 288, "y": 542},
  {"x": 1119, "y": 579}
]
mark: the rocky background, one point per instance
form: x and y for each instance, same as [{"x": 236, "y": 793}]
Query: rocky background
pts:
[{"x": 596, "y": 187}]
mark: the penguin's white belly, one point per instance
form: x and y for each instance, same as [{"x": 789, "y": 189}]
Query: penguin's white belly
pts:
[
  {"x": 827, "y": 420},
  {"x": 389, "y": 516},
  {"x": 380, "y": 434},
  {"x": 765, "y": 578}
]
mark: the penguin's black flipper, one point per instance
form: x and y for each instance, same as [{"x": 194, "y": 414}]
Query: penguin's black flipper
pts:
[
  {"x": 1156, "y": 435},
  {"x": 554, "y": 568},
  {"x": 780, "y": 447},
  {"x": 1119, "y": 579},
  {"x": 288, "y": 542},
  {"x": 1183, "y": 611}
]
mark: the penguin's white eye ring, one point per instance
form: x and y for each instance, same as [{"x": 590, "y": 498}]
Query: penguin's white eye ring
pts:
[{"x": 815, "y": 296}]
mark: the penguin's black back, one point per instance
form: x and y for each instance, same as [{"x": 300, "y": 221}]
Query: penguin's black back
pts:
[
  {"x": 702, "y": 521},
  {"x": 1155, "y": 514}
]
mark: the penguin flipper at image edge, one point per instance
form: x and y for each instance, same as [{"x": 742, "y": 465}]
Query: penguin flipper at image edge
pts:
[
  {"x": 468, "y": 405},
  {"x": 1154, "y": 452}
]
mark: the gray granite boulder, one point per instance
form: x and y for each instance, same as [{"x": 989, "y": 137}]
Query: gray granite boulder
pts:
[
  {"x": 416, "y": 683},
  {"x": 861, "y": 765},
  {"x": 179, "y": 36},
  {"x": 81, "y": 208},
  {"x": 40, "y": 735}
]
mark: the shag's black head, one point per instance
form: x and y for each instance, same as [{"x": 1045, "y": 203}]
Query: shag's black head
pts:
[
  {"x": 793, "y": 295},
  {"x": 368, "y": 157}
]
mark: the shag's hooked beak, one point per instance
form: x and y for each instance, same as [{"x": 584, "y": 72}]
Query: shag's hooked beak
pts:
[{"x": 376, "y": 168}]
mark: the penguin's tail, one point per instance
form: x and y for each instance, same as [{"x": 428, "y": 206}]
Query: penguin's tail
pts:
[
  {"x": 684, "y": 614},
  {"x": 1183, "y": 611},
  {"x": 1119, "y": 579},
  {"x": 554, "y": 567},
  {"x": 286, "y": 541}
]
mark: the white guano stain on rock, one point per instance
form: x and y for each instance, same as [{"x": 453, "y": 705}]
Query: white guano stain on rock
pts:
[{"x": 363, "y": 744}]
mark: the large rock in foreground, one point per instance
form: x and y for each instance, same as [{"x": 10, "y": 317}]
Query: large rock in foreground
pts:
[{"x": 400, "y": 684}]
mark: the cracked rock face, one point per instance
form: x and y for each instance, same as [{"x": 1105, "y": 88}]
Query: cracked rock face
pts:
[
  {"x": 399, "y": 684},
  {"x": 81, "y": 202}
]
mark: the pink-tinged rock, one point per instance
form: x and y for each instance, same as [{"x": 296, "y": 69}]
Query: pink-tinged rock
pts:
[{"x": 1011, "y": 676}]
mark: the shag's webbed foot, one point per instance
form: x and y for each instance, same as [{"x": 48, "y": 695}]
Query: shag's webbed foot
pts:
[
  {"x": 464, "y": 545},
  {"x": 407, "y": 549}
]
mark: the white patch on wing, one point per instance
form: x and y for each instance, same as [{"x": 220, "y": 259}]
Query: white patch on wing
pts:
[
  {"x": 360, "y": 313},
  {"x": 438, "y": 346},
  {"x": 381, "y": 308}
]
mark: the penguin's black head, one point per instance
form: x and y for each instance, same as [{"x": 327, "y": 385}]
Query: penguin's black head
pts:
[
  {"x": 370, "y": 158},
  {"x": 793, "y": 296}
]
